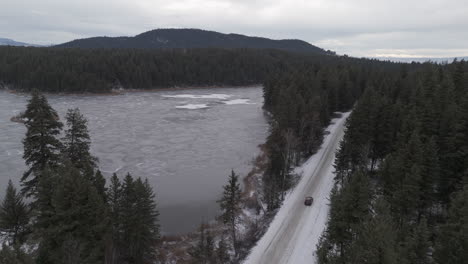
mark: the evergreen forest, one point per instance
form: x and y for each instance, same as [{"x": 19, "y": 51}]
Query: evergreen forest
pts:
[
  {"x": 401, "y": 182},
  {"x": 400, "y": 192}
]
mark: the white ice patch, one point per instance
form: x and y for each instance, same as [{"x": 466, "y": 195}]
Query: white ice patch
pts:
[
  {"x": 237, "y": 101},
  {"x": 202, "y": 96},
  {"x": 192, "y": 106}
]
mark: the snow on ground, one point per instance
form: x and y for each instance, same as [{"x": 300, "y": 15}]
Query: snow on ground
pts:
[
  {"x": 203, "y": 96},
  {"x": 294, "y": 232},
  {"x": 237, "y": 101},
  {"x": 192, "y": 106},
  {"x": 3, "y": 239}
]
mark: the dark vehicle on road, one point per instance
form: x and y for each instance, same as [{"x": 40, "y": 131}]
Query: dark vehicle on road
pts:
[{"x": 308, "y": 201}]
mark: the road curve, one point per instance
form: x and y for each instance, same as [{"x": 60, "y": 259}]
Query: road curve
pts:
[{"x": 294, "y": 233}]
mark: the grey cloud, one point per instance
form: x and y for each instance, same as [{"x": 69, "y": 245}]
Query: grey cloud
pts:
[{"x": 359, "y": 27}]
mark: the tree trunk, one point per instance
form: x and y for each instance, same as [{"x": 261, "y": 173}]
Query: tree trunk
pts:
[{"x": 234, "y": 240}]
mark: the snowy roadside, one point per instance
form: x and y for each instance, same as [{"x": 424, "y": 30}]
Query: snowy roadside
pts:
[
  {"x": 255, "y": 221},
  {"x": 175, "y": 249},
  {"x": 295, "y": 230}
]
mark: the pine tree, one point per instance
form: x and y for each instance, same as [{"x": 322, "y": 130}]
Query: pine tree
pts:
[
  {"x": 45, "y": 214},
  {"x": 74, "y": 231},
  {"x": 197, "y": 252},
  {"x": 14, "y": 255},
  {"x": 41, "y": 146},
  {"x": 209, "y": 248},
  {"x": 138, "y": 222},
  {"x": 417, "y": 247},
  {"x": 203, "y": 251},
  {"x": 334, "y": 240},
  {"x": 146, "y": 232},
  {"x": 406, "y": 199},
  {"x": 77, "y": 141},
  {"x": 127, "y": 221},
  {"x": 114, "y": 200},
  {"x": 403, "y": 177},
  {"x": 357, "y": 196},
  {"x": 452, "y": 240},
  {"x": 342, "y": 163},
  {"x": 14, "y": 216},
  {"x": 230, "y": 206},
  {"x": 222, "y": 255},
  {"x": 99, "y": 183},
  {"x": 350, "y": 206},
  {"x": 376, "y": 239},
  {"x": 430, "y": 172}
]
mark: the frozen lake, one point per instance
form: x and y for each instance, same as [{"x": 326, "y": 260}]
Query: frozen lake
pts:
[{"x": 184, "y": 141}]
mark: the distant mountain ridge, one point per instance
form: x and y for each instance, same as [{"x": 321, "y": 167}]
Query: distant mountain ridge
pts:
[
  {"x": 10, "y": 42},
  {"x": 192, "y": 38}
]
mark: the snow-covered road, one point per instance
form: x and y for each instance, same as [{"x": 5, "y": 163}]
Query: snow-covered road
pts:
[{"x": 293, "y": 235}]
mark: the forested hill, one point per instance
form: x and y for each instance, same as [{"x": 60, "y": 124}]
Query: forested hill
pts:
[
  {"x": 100, "y": 70},
  {"x": 192, "y": 38}
]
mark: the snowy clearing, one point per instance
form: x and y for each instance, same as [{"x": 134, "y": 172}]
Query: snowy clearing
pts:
[
  {"x": 237, "y": 101},
  {"x": 192, "y": 106},
  {"x": 293, "y": 234},
  {"x": 203, "y": 96}
]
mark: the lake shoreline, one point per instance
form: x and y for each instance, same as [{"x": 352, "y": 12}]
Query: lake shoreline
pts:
[
  {"x": 125, "y": 91},
  {"x": 176, "y": 247},
  {"x": 185, "y": 154}
]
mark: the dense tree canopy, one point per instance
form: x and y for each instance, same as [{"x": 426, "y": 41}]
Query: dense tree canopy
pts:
[
  {"x": 100, "y": 70},
  {"x": 302, "y": 101},
  {"x": 407, "y": 135}
]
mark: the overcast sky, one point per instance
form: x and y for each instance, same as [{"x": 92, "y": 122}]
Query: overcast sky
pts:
[{"x": 406, "y": 28}]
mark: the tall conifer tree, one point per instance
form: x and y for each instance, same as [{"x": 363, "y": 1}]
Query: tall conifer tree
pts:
[
  {"x": 41, "y": 146},
  {"x": 77, "y": 141},
  {"x": 14, "y": 215},
  {"x": 230, "y": 206}
]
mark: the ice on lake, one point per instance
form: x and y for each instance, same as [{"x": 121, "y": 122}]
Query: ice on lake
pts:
[{"x": 186, "y": 154}]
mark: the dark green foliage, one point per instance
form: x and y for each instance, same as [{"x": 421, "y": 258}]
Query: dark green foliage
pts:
[
  {"x": 76, "y": 219},
  {"x": 14, "y": 255},
  {"x": 376, "y": 239},
  {"x": 222, "y": 254},
  {"x": 350, "y": 207},
  {"x": 204, "y": 251},
  {"x": 101, "y": 70},
  {"x": 452, "y": 239},
  {"x": 77, "y": 142},
  {"x": 114, "y": 196},
  {"x": 41, "y": 146},
  {"x": 99, "y": 183},
  {"x": 417, "y": 246},
  {"x": 134, "y": 221},
  {"x": 302, "y": 100},
  {"x": 73, "y": 228},
  {"x": 417, "y": 165},
  {"x": 14, "y": 216},
  {"x": 230, "y": 204},
  {"x": 186, "y": 38}
]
